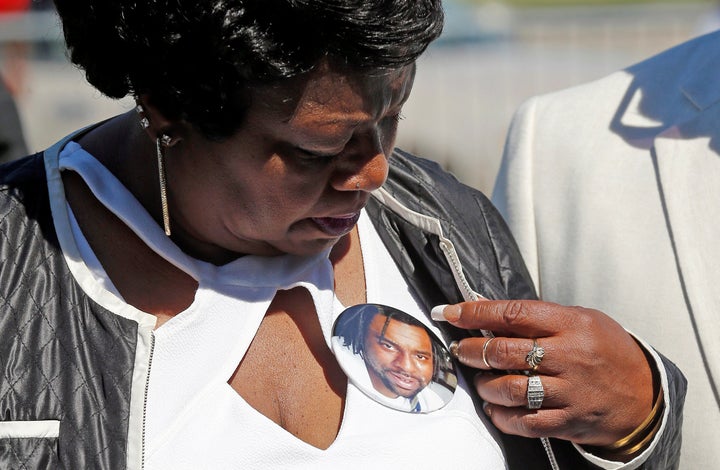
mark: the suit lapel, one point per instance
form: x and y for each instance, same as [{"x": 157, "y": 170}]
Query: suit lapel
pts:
[{"x": 688, "y": 170}]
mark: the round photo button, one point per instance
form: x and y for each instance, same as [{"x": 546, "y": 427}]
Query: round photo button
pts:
[{"x": 394, "y": 358}]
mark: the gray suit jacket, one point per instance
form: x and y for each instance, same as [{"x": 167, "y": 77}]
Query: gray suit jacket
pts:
[{"x": 612, "y": 190}]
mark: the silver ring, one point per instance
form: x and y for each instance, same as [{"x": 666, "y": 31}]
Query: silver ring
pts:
[
  {"x": 454, "y": 349},
  {"x": 535, "y": 356},
  {"x": 535, "y": 393},
  {"x": 485, "y": 352}
]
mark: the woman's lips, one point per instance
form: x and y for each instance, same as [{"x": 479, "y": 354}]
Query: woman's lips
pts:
[{"x": 337, "y": 226}]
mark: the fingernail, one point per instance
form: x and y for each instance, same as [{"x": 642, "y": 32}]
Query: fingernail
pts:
[
  {"x": 437, "y": 313},
  {"x": 487, "y": 408},
  {"x": 445, "y": 313}
]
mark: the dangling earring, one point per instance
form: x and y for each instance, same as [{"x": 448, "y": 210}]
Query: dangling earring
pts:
[
  {"x": 144, "y": 123},
  {"x": 165, "y": 140}
]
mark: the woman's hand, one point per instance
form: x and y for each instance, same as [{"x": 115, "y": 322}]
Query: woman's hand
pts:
[{"x": 598, "y": 385}]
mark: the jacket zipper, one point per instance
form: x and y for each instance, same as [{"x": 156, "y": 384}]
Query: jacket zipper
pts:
[
  {"x": 470, "y": 295},
  {"x": 145, "y": 399}
]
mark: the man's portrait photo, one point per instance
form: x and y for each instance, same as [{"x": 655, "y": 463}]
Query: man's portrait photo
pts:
[{"x": 394, "y": 358}]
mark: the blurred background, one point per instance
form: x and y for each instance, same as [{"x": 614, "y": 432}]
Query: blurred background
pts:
[{"x": 491, "y": 57}]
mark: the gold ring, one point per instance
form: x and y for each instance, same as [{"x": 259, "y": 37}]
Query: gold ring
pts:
[{"x": 484, "y": 358}]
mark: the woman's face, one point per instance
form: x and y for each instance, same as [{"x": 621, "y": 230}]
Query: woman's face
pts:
[{"x": 294, "y": 178}]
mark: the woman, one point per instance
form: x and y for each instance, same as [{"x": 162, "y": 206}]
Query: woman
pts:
[{"x": 169, "y": 300}]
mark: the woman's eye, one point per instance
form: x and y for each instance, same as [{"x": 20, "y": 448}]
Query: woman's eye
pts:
[
  {"x": 310, "y": 155},
  {"x": 398, "y": 117},
  {"x": 392, "y": 121}
]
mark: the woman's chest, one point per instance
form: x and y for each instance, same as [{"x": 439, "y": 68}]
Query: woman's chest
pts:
[{"x": 289, "y": 374}]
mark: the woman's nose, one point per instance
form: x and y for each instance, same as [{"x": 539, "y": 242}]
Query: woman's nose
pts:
[{"x": 364, "y": 167}]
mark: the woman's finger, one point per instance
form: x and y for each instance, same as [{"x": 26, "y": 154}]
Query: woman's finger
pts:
[
  {"x": 506, "y": 402},
  {"x": 528, "y": 318},
  {"x": 508, "y": 354},
  {"x": 511, "y": 390},
  {"x": 548, "y": 422}
]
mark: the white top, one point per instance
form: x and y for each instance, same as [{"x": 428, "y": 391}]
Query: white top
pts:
[{"x": 195, "y": 420}]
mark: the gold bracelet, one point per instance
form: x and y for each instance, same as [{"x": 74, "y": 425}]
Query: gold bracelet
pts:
[
  {"x": 629, "y": 440},
  {"x": 649, "y": 437}
]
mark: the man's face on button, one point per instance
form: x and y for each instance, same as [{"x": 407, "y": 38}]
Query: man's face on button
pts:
[{"x": 399, "y": 359}]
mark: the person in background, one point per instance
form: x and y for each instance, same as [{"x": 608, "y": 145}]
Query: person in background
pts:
[
  {"x": 171, "y": 275},
  {"x": 612, "y": 191},
  {"x": 14, "y": 51},
  {"x": 12, "y": 140},
  {"x": 12, "y": 57}
]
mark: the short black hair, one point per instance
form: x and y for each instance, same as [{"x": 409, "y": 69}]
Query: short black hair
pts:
[{"x": 198, "y": 60}]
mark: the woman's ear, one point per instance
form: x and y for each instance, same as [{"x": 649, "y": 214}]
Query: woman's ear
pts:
[{"x": 155, "y": 124}]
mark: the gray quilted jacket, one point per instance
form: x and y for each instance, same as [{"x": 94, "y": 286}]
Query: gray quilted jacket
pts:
[{"x": 73, "y": 375}]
